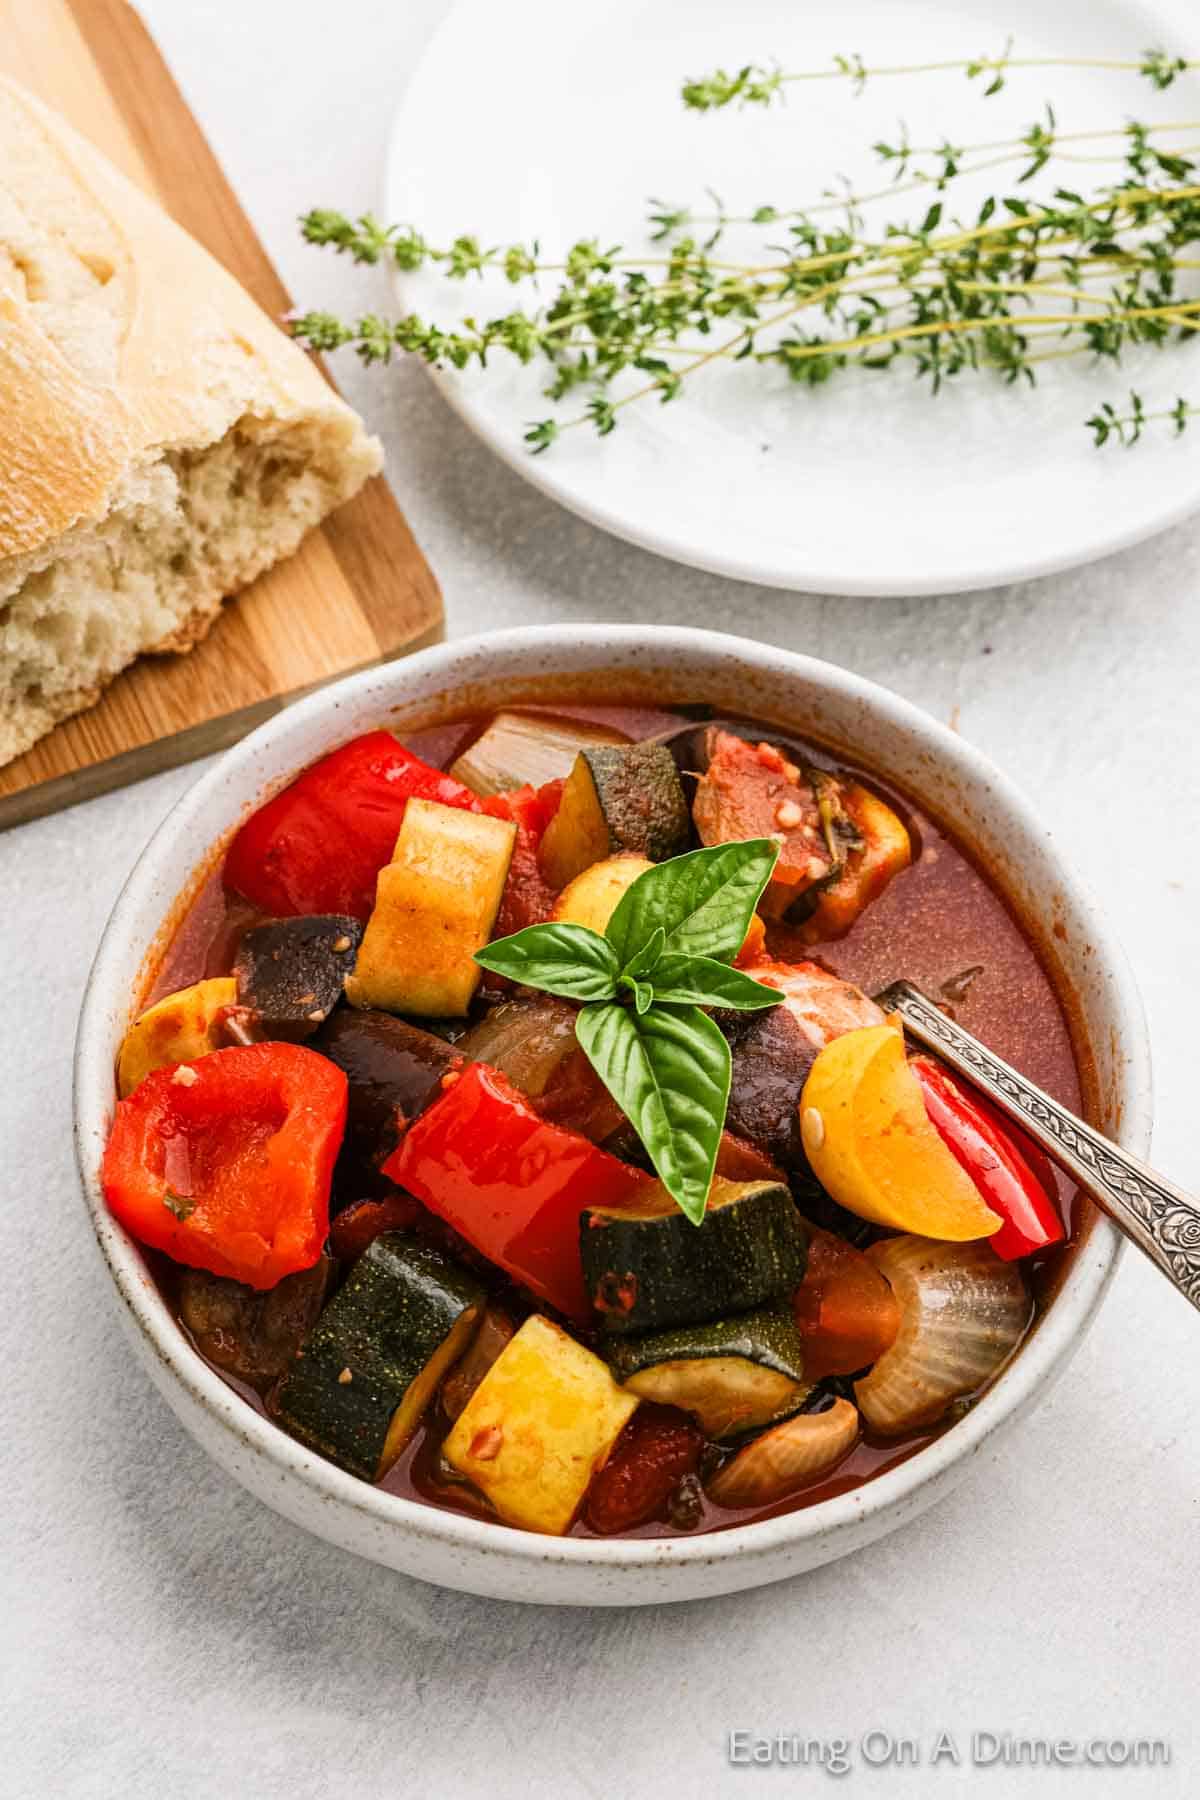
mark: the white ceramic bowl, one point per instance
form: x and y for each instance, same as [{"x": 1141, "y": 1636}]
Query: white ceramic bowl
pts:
[{"x": 922, "y": 758}]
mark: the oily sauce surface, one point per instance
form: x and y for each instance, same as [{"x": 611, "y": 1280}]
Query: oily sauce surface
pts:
[{"x": 941, "y": 924}]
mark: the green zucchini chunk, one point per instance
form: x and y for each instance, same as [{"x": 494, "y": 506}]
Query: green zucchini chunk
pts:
[
  {"x": 734, "y": 1375},
  {"x": 371, "y": 1365},
  {"x": 650, "y": 1268},
  {"x": 626, "y": 798}
]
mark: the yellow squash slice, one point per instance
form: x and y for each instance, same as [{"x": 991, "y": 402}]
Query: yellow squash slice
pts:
[
  {"x": 872, "y": 1146},
  {"x": 435, "y": 906},
  {"x": 591, "y": 899},
  {"x": 176, "y": 1029},
  {"x": 538, "y": 1426}
]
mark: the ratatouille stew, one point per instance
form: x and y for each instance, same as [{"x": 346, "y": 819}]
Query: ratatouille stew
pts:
[{"x": 510, "y": 1120}]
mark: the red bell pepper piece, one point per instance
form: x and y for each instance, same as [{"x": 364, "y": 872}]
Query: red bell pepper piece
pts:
[
  {"x": 318, "y": 846},
  {"x": 225, "y": 1162},
  {"x": 1012, "y": 1174},
  {"x": 510, "y": 1182}
]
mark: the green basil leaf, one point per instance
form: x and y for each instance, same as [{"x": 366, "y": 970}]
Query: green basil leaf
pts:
[
  {"x": 703, "y": 901},
  {"x": 668, "y": 1070},
  {"x": 560, "y": 959},
  {"x": 643, "y": 995},
  {"x": 702, "y": 981},
  {"x": 639, "y": 966}
]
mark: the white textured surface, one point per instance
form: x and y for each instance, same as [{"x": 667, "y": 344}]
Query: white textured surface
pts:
[{"x": 164, "y": 1634}]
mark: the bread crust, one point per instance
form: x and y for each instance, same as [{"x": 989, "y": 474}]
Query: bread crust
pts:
[
  {"x": 155, "y": 352},
  {"x": 195, "y": 353}
]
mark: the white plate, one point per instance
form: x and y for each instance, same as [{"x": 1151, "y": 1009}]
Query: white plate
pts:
[{"x": 537, "y": 119}]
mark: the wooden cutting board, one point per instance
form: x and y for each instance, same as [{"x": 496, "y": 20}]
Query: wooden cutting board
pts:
[{"x": 357, "y": 592}]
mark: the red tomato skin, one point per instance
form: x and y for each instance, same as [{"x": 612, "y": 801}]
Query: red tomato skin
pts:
[
  {"x": 738, "y": 1160},
  {"x": 845, "y": 1311},
  {"x": 656, "y": 1449},
  {"x": 356, "y": 1229},
  {"x": 528, "y": 896}
]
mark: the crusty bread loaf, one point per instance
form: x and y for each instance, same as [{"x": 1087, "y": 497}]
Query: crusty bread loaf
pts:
[{"x": 161, "y": 441}]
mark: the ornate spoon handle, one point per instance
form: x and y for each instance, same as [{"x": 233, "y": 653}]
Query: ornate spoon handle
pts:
[{"x": 1160, "y": 1218}]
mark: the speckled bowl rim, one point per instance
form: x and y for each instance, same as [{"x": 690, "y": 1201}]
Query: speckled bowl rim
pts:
[{"x": 1042, "y": 1357}]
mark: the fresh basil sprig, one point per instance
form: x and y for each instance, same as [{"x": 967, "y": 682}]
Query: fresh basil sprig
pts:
[
  {"x": 665, "y": 954},
  {"x": 570, "y": 960}
]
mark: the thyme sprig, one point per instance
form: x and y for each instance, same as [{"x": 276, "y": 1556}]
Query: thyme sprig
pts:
[
  {"x": 1108, "y": 425},
  {"x": 756, "y": 84},
  {"x": 1021, "y": 281}
]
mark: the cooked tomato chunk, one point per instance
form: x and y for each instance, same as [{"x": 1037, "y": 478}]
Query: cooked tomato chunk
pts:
[
  {"x": 656, "y": 1450},
  {"x": 839, "y": 844},
  {"x": 753, "y": 791}
]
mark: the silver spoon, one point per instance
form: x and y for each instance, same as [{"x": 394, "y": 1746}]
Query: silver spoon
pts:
[{"x": 1156, "y": 1215}]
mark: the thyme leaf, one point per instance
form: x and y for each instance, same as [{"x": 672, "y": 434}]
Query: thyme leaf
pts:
[{"x": 1027, "y": 278}]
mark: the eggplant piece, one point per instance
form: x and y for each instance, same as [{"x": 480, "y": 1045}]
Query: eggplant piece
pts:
[
  {"x": 450, "y": 1030},
  {"x": 394, "y": 1069},
  {"x": 251, "y": 1334},
  {"x": 290, "y": 972},
  {"x": 773, "y": 1051},
  {"x": 771, "y": 1058}
]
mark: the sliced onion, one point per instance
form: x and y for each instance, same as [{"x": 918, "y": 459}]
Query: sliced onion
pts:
[
  {"x": 787, "y": 1458},
  {"x": 518, "y": 750},
  {"x": 526, "y": 1040},
  {"x": 533, "y": 1042},
  {"x": 962, "y": 1314}
]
